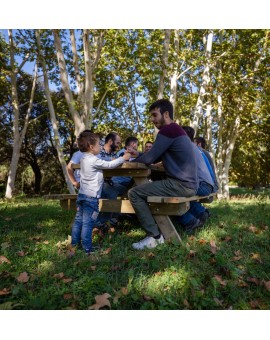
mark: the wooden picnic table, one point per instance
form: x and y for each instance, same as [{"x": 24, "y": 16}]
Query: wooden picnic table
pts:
[{"x": 161, "y": 207}]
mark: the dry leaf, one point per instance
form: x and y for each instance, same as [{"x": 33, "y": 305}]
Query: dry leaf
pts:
[
  {"x": 147, "y": 298},
  {"x": 236, "y": 258},
  {"x": 237, "y": 252},
  {"x": 124, "y": 290},
  {"x": 107, "y": 251},
  {"x": 202, "y": 241},
  {"x": 256, "y": 257},
  {"x": 93, "y": 267},
  {"x": 67, "y": 296},
  {"x": 21, "y": 253},
  {"x": 213, "y": 246},
  {"x": 5, "y": 291},
  {"x": 59, "y": 275},
  {"x": 217, "y": 301},
  {"x": 227, "y": 239},
  {"x": 186, "y": 303},
  {"x": 66, "y": 280},
  {"x": 151, "y": 255},
  {"x": 253, "y": 280},
  {"x": 220, "y": 280},
  {"x": 254, "y": 303},
  {"x": 191, "y": 253},
  {"x": 5, "y": 245},
  {"x": 4, "y": 259},
  {"x": 23, "y": 277},
  {"x": 46, "y": 242},
  {"x": 267, "y": 285},
  {"x": 101, "y": 301},
  {"x": 242, "y": 283}
]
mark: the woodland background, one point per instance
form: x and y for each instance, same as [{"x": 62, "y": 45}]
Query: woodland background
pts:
[{"x": 55, "y": 83}]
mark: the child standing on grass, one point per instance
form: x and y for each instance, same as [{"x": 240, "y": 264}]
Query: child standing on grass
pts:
[{"x": 90, "y": 188}]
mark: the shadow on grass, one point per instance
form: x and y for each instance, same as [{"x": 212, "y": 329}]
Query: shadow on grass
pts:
[{"x": 212, "y": 270}]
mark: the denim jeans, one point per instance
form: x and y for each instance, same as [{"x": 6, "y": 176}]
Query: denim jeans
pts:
[
  {"x": 87, "y": 212},
  {"x": 138, "y": 197},
  {"x": 196, "y": 208}
]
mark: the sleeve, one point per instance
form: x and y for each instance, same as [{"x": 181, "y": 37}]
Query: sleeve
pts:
[
  {"x": 161, "y": 144},
  {"x": 102, "y": 164}
]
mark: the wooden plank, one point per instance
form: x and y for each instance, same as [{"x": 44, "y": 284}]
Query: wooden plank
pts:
[
  {"x": 169, "y": 209},
  {"x": 167, "y": 228},
  {"x": 60, "y": 196},
  {"x": 177, "y": 200},
  {"x": 126, "y": 172},
  {"x": 126, "y": 165}
]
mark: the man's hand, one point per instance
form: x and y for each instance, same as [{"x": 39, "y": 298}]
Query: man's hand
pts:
[{"x": 134, "y": 153}]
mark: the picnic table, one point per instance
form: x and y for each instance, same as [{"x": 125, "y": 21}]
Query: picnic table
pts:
[{"x": 161, "y": 207}]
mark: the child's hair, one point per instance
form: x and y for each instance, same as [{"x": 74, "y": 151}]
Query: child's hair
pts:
[{"x": 85, "y": 139}]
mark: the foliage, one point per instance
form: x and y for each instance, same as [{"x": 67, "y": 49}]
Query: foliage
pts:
[{"x": 223, "y": 266}]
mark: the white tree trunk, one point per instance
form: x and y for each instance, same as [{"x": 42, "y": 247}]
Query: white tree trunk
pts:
[
  {"x": 164, "y": 64},
  {"x": 204, "y": 87},
  {"x": 174, "y": 76},
  {"x": 79, "y": 126},
  {"x": 54, "y": 122},
  {"x": 18, "y": 135}
]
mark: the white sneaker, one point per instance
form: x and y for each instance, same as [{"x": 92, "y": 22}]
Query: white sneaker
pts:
[{"x": 148, "y": 242}]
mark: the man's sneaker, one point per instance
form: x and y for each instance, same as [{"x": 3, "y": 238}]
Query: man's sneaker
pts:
[
  {"x": 148, "y": 242},
  {"x": 190, "y": 228}
]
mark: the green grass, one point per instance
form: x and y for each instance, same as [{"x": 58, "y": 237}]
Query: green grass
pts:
[{"x": 233, "y": 273}]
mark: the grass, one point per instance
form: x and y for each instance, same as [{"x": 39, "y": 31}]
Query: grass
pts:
[{"x": 223, "y": 266}]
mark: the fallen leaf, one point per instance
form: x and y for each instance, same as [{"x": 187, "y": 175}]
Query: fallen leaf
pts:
[
  {"x": 236, "y": 258},
  {"x": 253, "y": 280},
  {"x": 256, "y": 257},
  {"x": 267, "y": 285},
  {"x": 220, "y": 280},
  {"x": 185, "y": 302},
  {"x": 151, "y": 255},
  {"x": 218, "y": 302},
  {"x": 21, "y": 253},
  {"x": 227, "y": 239},
  {"x": 5, "y": 291},
  {"x": 67, "y": 296},
  {"x": 5, "y": 245},
  {"x": 213, "y": 247},
  {"x": 93, "y": 268},
  {"x": 4, "y": 259},
  {"x": 101, "y": 301},
  {"x": 254, "y": 303},
  {"x": 23, "y": 277},
  {"x": 46, "y": 242},
  {"x": 66, "y": 280},
  {"x": 191, "y": 253},
  {"x": 202, "y": 241},
  {"x": 147, "y": 298},
  {"x": 237, "y": 252},
  {"x": 107, "y": 251},
  {"x": 124, "y": 290},
  {"x": 242, "y": 283},
  {"x": 59, "y": 275}
]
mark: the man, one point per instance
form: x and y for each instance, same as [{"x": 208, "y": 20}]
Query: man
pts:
[
  {"x": 197, "y": 215},
  {"x": 148, "y": 145},
  {"x": 200, "y": 141},
  {"x": 174, "y": 148}
]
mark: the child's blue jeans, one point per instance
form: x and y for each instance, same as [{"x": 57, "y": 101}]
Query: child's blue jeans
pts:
[{"x": 87, "y": 213}]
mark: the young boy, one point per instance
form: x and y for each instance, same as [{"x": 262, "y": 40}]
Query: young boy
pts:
[{"x": 90, "y": 188}]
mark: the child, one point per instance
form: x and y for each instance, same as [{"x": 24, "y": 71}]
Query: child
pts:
[{"x": 90, "y": 188}]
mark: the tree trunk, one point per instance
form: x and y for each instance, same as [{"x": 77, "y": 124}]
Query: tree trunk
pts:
[
  {"x": 204, "y": 87},
  {"x": 56, "y": 136},
  {"x": 18, "y": 136},
  {"x": 164, "y": 64}
]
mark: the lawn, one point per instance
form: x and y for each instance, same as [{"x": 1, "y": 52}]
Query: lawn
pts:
[{"x": 225, "y": 265}]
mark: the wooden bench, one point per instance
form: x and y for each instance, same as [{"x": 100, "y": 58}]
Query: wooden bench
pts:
[{"x": 161, "y": 208}]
